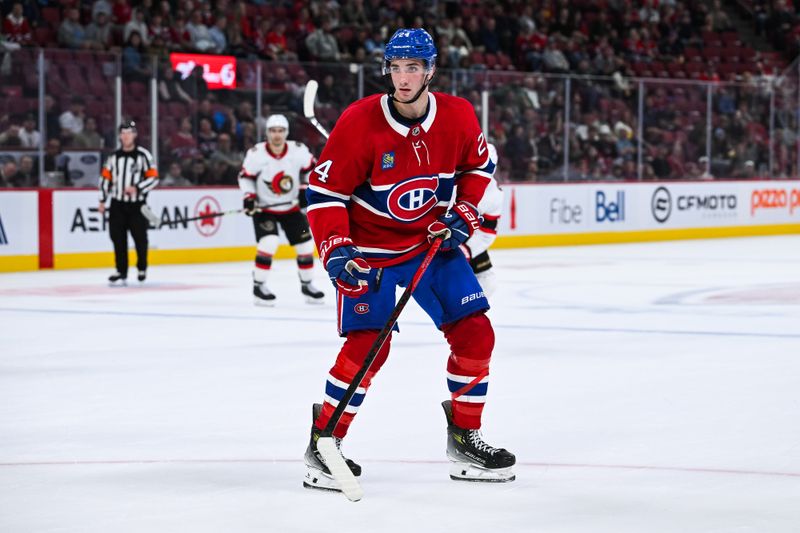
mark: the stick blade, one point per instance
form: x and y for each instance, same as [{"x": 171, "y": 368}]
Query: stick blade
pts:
[
  {"x": 309, "y": 97},
  {"x": 151, "y": 217},
  {"x": 339, "y": 469}
]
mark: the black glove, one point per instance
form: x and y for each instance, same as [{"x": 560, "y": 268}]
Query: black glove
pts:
[{"x": 250, "y": 205}]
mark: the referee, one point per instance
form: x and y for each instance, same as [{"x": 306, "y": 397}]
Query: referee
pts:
[{"x": 128, "y": 175}]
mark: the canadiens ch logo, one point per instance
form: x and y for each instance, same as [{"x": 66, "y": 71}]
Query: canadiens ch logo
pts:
[
  {"x": 361, "y": 309},
  {"x": 412, "y": 199},
  {"x": 387, "y": 161}
]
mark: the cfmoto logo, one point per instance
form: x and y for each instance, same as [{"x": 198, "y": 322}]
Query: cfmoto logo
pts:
[{"x": 661, "y": 204}]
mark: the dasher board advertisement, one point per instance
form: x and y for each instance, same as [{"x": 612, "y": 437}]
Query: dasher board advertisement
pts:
[
  {"x": 19, "y": 223},
  {"x": 79, "y": 227}
]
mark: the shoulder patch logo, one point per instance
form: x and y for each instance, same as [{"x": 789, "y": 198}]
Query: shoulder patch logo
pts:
[
  {"x": 361, "y": 308},
  {"x": 387, "y": 161}
]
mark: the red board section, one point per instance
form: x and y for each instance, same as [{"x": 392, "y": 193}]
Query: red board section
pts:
[{"x": 45, "y": 228}]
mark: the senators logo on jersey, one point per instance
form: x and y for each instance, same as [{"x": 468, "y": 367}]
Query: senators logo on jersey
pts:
[
  {"x": 412, "y": 199},
  {"x": 280, "y": 183}
]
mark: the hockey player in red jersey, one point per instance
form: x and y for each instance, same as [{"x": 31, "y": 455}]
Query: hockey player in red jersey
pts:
[
  {"x": 273, "y": 179},
  {"x": 391, "y": 168}
]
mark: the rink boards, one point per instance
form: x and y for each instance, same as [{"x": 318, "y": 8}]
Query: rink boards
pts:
[{"x": 62, "y": 228}]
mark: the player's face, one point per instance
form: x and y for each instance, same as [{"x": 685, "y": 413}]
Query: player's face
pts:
[
  {"x": 408, "y": 76},
  {"x": 127, "y": 138},
  {"x": 276, "y": 136}
]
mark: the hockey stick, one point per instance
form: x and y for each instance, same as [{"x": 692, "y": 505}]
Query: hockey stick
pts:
[
  {"x": 151, "y": 217},
  {"x": 326, "y": 444},
  {"x": 209, "y": 215},
  {"x": 308, "y": 106},
  {"x": 158, "y": 223}
]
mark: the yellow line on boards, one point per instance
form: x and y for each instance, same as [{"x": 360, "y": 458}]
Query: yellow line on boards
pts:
[
  {"x": 609, "y": 237},
  {"x": 168, "y": 257},
  {"x": 19, "y": 263}
]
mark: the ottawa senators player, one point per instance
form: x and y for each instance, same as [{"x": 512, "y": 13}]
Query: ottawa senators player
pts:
[
  {"x": 392, "y": 166},
  {"x": 274, "y": 177}
]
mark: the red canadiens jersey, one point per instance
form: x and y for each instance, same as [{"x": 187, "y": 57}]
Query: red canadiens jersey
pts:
[
  {"x": 276, "y": 180},
  {"x": 382, "y": 183}
]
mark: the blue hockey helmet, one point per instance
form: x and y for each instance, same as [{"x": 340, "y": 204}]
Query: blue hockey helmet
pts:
[{"x": 410, "y": 43}]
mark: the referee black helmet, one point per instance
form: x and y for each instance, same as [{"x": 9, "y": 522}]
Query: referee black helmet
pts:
[{"x": 128, "y": 125}]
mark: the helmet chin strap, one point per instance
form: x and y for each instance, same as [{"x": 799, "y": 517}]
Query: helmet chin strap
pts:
[{"x": 416, "y": 96}]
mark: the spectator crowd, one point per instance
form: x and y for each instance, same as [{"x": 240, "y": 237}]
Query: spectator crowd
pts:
[{"x": 601, "y": 44}]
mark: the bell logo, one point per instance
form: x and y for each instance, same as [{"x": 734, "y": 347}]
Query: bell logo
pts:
[{"x": 608, "y": 210}]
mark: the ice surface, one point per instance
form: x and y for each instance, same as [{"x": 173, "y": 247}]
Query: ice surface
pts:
[{"x": 644, "y": 388}]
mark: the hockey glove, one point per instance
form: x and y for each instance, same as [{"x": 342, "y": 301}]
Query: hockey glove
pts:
[
  {"x": 455, "y": 226},
  {"x": 250, "y": 205},
  {"x": 346, "y": 267}
]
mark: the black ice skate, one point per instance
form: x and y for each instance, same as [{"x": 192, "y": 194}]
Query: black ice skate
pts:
[
  {"x": 262, "y": 296},
  {"x": 142, "y": 275},
  {"x": 472, "y": 459},
  {"x": 117, "y": 280},
  {"x": 313, "y": 295},
  {"x": 318, "y": 475}
]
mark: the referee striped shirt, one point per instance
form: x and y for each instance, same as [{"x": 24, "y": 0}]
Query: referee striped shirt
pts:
[{"x": 124, "y": 169}]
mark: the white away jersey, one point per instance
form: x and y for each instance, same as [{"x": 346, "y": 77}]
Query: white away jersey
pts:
[{"x": 276, "y": 180}]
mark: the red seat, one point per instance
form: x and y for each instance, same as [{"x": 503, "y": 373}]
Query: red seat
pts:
[
  {"x": 295, "y": 70},
  {"x": 44, "y": 36},
  {"x": 712, "y": 53},
  {"x": 137, "y": 90},
  {"x": 746, "y": 53},
  {"x": 694, "y": 67},
  {"x": 52, "y": 15},
  {"x": 476, "y": 58},
  {"x": 504, "y": 61},
  {"x": 730, "y": 38},
  {"x": 178, "y": 109},
  {"x": 691, "y": 54},
  {"x": 674, "y": 69},
  {"x": 731, "y": 54},
  {"x": 725, "y": 70}
]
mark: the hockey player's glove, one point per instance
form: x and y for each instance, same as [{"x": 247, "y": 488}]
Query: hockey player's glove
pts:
[
  {"x": 346, "y": 266},
  {"x": 455, "y": 226},
  {"x": 250, "y": 205}
]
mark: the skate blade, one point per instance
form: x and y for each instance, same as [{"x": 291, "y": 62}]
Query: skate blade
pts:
[
  {"x": 117, "y": 284},
  {"x": 314, "y": 301},
  {"x": 315, "y": 479},
  {"x": 263, "y": 303},
  {"x": 470, "y": 472}
]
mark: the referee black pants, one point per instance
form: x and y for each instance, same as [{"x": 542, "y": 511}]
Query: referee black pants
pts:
[{"x": 122, "y": 218}]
